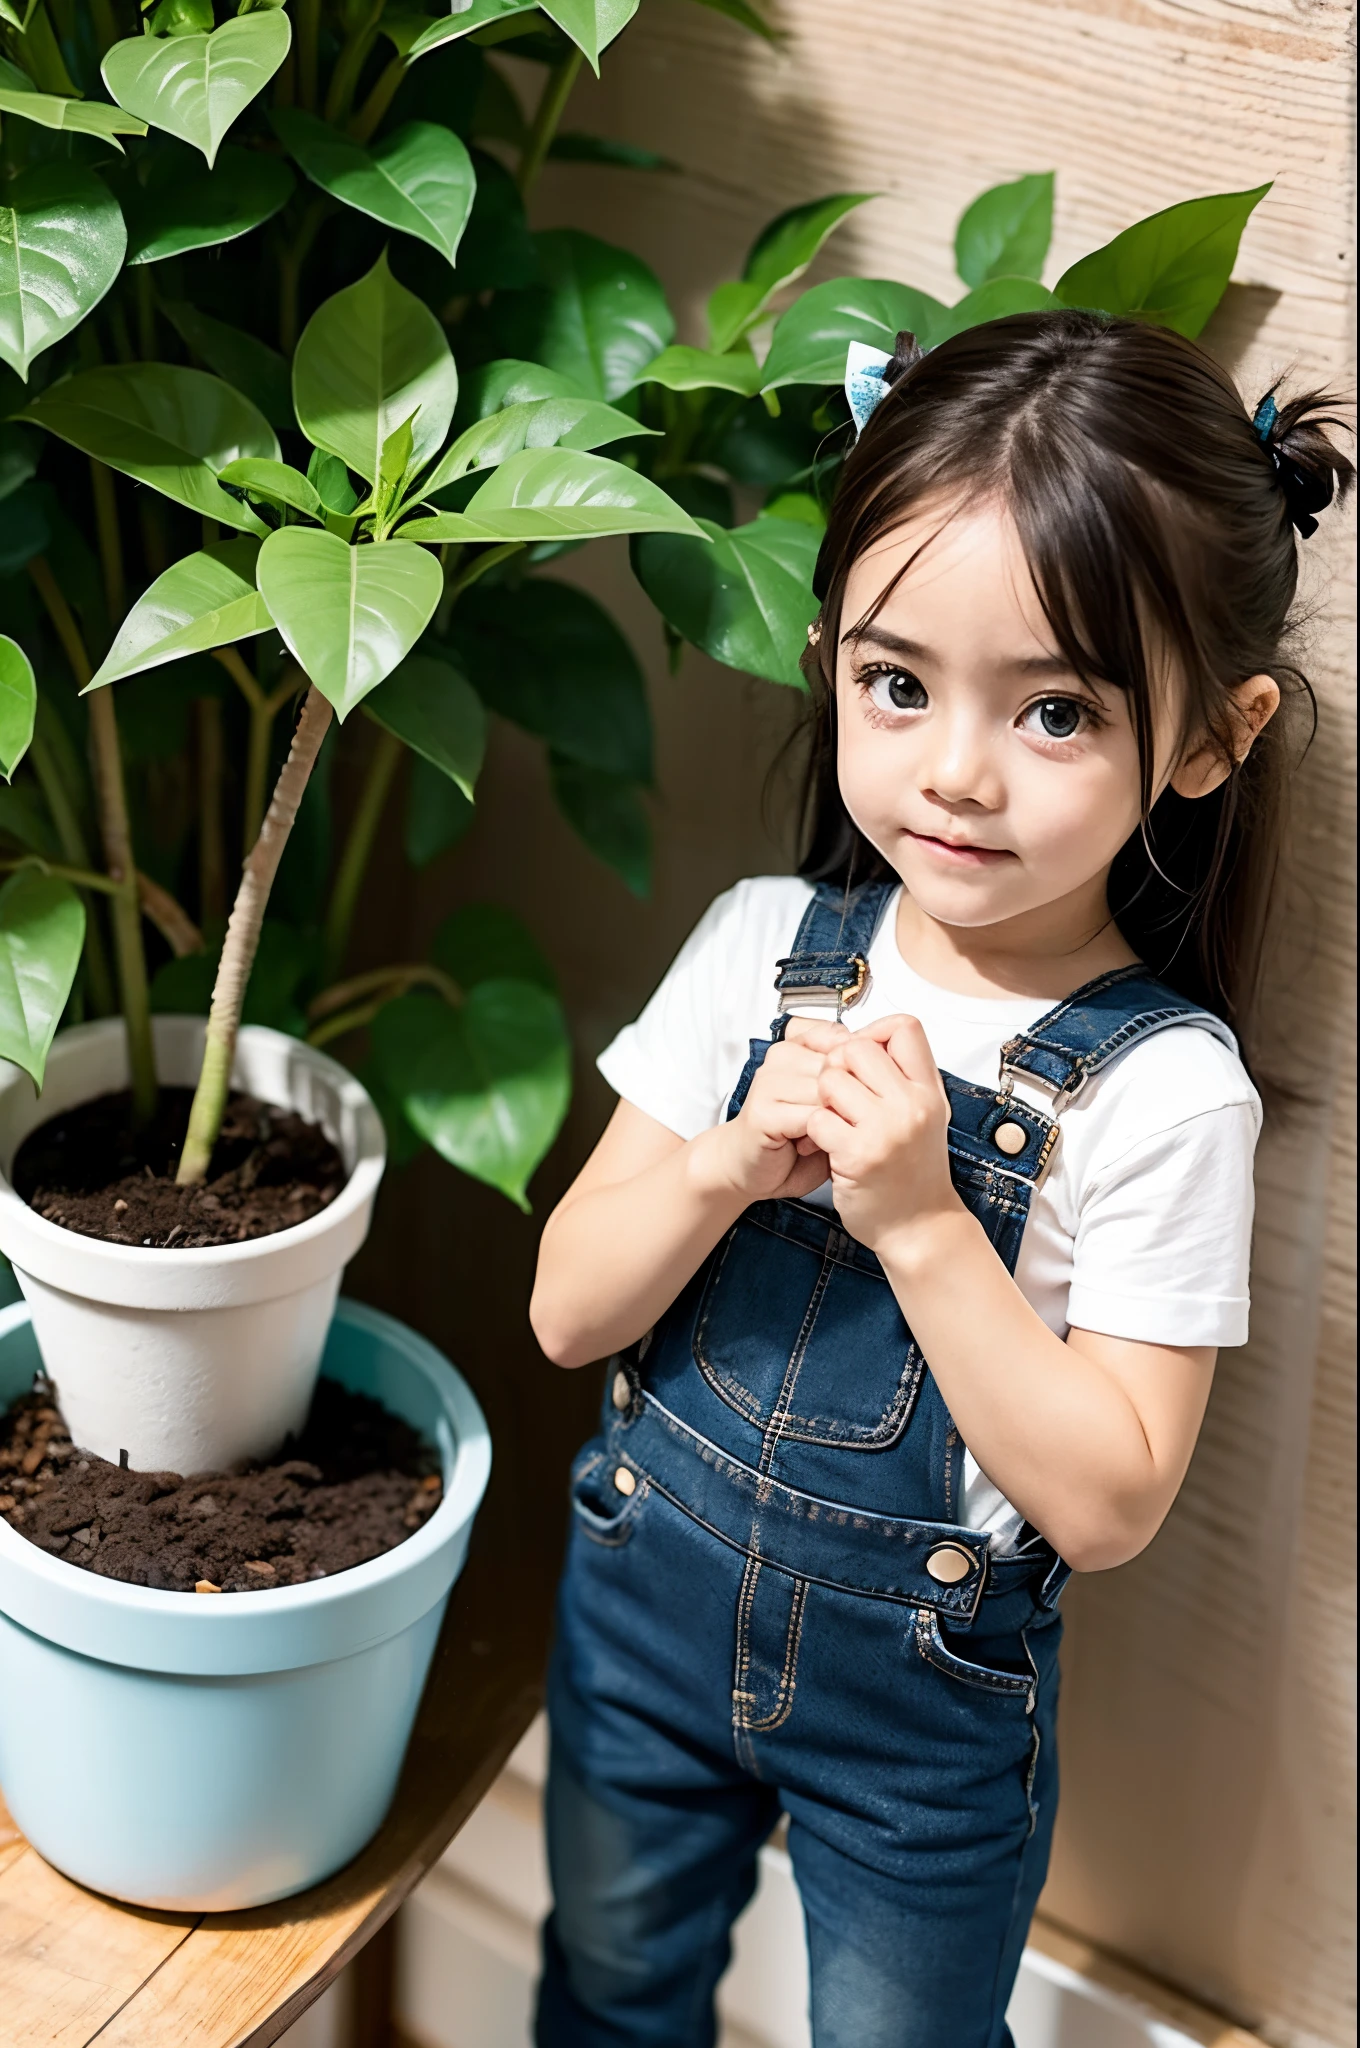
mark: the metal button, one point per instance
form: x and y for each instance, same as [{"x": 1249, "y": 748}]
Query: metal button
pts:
[
  {"x": 621, "y": 1393},
  {"x": 947, "y": 1564},
  {"x": 626, "y": 1482},
  {"x": 1010, "y": 1139}
]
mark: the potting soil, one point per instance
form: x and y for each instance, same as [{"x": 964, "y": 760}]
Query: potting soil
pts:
[
  {"x": 356, "y": 1483},
  {"x": 90, "y": 1170}
]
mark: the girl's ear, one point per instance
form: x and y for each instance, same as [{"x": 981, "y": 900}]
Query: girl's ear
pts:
[{"x": 1251, "y": 706}]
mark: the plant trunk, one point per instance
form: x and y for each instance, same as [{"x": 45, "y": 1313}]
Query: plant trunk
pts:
[{"x": 243, "y": 936}]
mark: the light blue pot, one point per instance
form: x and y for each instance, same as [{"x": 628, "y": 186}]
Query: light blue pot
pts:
[{"x": 200, "y": 1753}]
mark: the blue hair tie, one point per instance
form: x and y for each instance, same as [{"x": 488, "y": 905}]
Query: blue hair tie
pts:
[{"x": 1264, "y": 418}]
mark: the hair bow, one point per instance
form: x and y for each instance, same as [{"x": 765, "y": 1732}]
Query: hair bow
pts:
[{"x": 864, "y": 381}]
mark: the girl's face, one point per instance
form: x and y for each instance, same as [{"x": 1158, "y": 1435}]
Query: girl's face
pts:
[{"x": 992, "y": 777}]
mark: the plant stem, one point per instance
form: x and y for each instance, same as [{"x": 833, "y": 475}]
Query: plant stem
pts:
[
  {"x": 358, "y": 847},
  {"x": 490, "y": 558},
  {"x": 380, "y": 98},
  {"x": 170, "y": 918},
  {"x": 263, "y": 711},
  {"x": 80, "y": 878},
  {"x": 110, "y": 541},
  {"x": 551, "y": 107},
  {"x": 57, "y": 797},
  {"x": 243, "y": 936},
  {"x": 212, "y": 854},
  {"x": 341, "y": 994},
  {"x": 348, "y": 1020},
  {"x": 350, "y": 63},
  {"x": 111, "y": 807},
  {"x": 291, "y": 259},
  {"x": 308, "y": 32}
]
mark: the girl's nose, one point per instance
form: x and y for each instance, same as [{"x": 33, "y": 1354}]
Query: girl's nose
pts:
[{"x": 960, "y": 768}]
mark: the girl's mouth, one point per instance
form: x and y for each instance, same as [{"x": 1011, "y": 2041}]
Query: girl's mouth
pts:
[{"x": 960, "y": 852}]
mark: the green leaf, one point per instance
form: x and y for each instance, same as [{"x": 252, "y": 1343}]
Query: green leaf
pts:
[
  {"x": 430, "y": 707},
  {"x": 497, "y": 251},
  {"x": 599, "y": 316},
  {"x": 478, "y": 15},
  {"x": 746, "y": 600},
  {"x": 348, "y": 614},
  {"x": 18, "y": 704},
  {"x": 996, "y": 300},
  {"x": 781, "y": 253},
  {"x": 1171, "y": 268},
  {"x": 554, "y": 662},
  {"x": 24, "y": 819},
  {"x": 499, "y": 385},
  {"x": 368, "y": 358},
  {"x": 252, "y": 366},
  {"x": 330, "y": 479},
  {"x": 182, "y": 18},
  {"x": 810, "y": 340},
  {"x": 25, "y": 526},
  {"x": 739, "y": 10},
  {"x": 486, "y": 1084},
  {"x": 557, "y": 494},
  {"x": 194, "y": 86},
  {"x": 75, "y": 117},
  {"x": 419, "y": 180},
  {"x": 1006, "y": 231},
  {"x": 61, "y": 246},
  {"x": 799, "y": 505},
  {"x": 169, "y": 427},
  {"x": 437, "y": 813},
  {"x": 277, "y": 483},
  {"x": 42, "y": 930},
  {"x": 208, "y": 599},
  {"x": 486, "y": 942},
  {"x": 19, "y": 448},
  {"x": 580, "y": 423},
  {"x": 573, "y": 148},
  {"x": 608, "y": 814},
  {"x": 591, "y": 24},
  {"x": 679, "y": 368},
  {"x": 175, "y": 202}
]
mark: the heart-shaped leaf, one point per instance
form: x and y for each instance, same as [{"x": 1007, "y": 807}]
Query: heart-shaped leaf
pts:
[
  {"x": 244, "y": 361},
  {"x": 995, "y": 300},
  {"x": 555, "y": 663},
  {"x": 486, "y": 1084},
  {"x": 175, "y": 202},
  {"x": 810, "y": 340},
  {"x": 779, "y": 254},
  {"x": 1171, "y": 268},
  {"x": 679, "y": 368},
  {"x": 18, "y": 704},
  {"x": 348, "y": 614},
  {"x": 61, "y": 246},
  {"x": 369, "y": 358},
  {"x": 437, "y": 813},
  {"x": 1006, "y": 231},
  {"x": 480, "y": 14},
  {"x": 194, "y": 86},
  {"x": 609, "y": 816},
  {"x": 419, "y": 180},
  {"x": 581, "y": 423},
  {"x": 73, "y": 117},
  {"x": 747, "y": 600},
  {"x": 486, "y": 942},
  {"x": 556, "y": 494},
  {"x": 591, "y": 24},
  {"x": 208, "y": 599},
  {"x": 42, "y": 930},
  {"x": 170, "y": 427},
  {"x": 599, "y": 316},
  {"x": 509, "y": 381},
  {"x": 428, "y": 704}
]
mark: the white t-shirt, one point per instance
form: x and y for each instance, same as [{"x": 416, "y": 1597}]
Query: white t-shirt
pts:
[{"x": 1142, "y": 1228}]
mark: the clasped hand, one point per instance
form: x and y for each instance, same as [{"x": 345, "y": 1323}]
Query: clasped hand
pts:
[{"x": 865, "y": 1108}]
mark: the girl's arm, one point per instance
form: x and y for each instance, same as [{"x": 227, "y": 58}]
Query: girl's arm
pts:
[
  {"x": 648, "y": 1207},
  {"x": 1089, "y": 1438}
]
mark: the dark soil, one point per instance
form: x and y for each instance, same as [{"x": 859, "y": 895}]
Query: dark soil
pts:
[
  {"x": 353, "y": 1485},
  {"x": 90, "y": 1171}
]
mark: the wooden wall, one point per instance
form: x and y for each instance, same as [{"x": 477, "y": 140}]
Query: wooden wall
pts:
[{"x": 1207, "y": 1718}]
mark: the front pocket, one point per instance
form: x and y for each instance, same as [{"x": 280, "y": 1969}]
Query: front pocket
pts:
[
  {"x": 933, "y": 1647},
  {"x": 603, "y": 1513},
  {"x": 796, "y": 1337}
]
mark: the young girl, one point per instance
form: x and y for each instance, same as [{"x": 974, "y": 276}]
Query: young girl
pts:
[{"x": 913, "y": 1298}]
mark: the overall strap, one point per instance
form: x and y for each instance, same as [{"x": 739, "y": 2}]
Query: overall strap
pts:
[
  {"x": 829, "y": 964},
  {"x": 1091, "y": 1027}
]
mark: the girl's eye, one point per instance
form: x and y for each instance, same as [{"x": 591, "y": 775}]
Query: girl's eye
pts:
[
  {"x": 895, "y": 689},
  {"x": 1057, "y": 718}
]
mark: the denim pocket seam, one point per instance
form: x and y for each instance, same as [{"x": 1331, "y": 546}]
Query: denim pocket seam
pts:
[
  {"x": 933, "y": 1649},
  {"x": 743, "y": 1699},
  {"x": 610, "y": 1532}
]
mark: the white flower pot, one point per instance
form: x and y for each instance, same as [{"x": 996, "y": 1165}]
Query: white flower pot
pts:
[{"x": 187, "y": 1361}]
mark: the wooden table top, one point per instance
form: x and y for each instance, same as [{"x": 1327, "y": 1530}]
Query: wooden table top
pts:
[{"x": 75, "y": 1966}]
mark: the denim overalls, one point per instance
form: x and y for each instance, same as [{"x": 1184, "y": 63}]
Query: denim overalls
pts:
[{"x": 769, "y": 1605}]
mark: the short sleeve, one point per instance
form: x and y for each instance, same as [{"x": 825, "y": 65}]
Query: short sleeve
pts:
[
  {"x": 680, "y": 1060},
  {"x": 1163, "y": 1242}
]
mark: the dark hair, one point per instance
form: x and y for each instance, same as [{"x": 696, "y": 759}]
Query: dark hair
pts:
[{"x": 1148, "y": 505}]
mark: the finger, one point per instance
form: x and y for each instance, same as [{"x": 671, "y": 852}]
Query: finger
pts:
[
  {"x": 870, "y": 1063},
  {"x": 909, "y": 1048},
  {"x": 827, "y": 1131},
  {"x": 818, "y": 1034},
  {"x": 849, "y": 1097},
  {"x": 805, "y": 1148}
]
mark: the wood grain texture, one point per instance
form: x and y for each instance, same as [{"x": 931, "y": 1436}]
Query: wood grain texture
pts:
[{"x": 1207, "y": 1715}]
